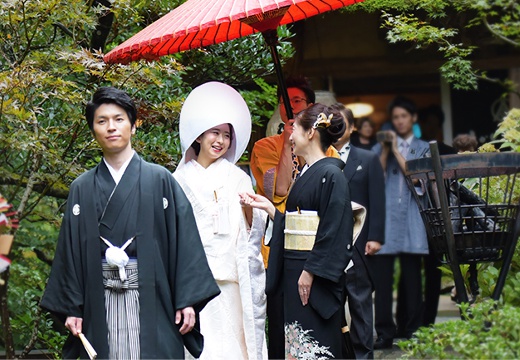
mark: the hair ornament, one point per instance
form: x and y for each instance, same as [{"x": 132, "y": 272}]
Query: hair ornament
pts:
[{"x": 322, "y": 121}]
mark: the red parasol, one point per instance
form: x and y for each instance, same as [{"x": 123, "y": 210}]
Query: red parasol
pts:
[{"x": 198, "y": 23}]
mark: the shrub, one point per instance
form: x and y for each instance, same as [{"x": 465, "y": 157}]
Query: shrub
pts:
[{"x": 488, "y": 331}]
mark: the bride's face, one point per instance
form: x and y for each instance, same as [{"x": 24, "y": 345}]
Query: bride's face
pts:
[{"x": 214, "y": 143}]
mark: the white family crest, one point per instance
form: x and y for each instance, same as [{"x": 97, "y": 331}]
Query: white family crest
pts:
[
  {"x": 75, "y": 209},
  {"x": 165, "y": 202}
]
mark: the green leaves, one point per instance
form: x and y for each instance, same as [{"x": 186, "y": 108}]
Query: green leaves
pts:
[
  {"x": 47, "y": 75},
  {"x": 488, "y": 331},
  {"x": 261, "y": 102},
  {"x": 460, "y": 73},
  {"x": 238, "y": 62},
  {"x": 444, "y": 27},
  {"x": 508, "y": 132}
]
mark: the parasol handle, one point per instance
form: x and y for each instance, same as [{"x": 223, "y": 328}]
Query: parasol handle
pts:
[
  {"x": 88, "y": 347},
  {"x": 271, "y": 38}
]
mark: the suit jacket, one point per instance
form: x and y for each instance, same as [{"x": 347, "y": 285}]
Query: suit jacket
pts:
[{"x": 365, "y": 175}]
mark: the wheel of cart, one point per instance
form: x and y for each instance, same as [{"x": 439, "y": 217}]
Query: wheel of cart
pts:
[{"x": 470, "y": 207}]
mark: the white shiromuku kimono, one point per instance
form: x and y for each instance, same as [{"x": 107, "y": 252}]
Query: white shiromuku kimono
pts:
[{"x": 233, "y": 324}]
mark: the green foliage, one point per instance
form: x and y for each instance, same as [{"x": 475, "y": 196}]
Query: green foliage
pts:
[
  {"x": 47, "y": 75},
  {"x": 444, "y": 27},
  {"x": 493, "y": 191},
  {"x": 261, "y": 102},
  {"x": 506, "y": 138},
  {"x": 253, "y": 61},
  {"x": 24, "y": 300},
  {"x": 488, "y": 331},
  {"x": 508, "y": 132}
]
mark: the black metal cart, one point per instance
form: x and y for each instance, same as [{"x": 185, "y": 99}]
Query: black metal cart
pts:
[{"x": 470, "y": 207}]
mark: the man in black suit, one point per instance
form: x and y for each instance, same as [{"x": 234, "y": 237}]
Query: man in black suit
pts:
[{"x": 365, "y": 174}]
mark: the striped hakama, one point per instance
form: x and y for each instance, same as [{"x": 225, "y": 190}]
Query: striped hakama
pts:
[{"x": 122, "y": 309}]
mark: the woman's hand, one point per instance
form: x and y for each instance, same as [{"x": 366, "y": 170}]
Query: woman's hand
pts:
[
  {"x": 258, "y": 202},
  {"x": 304, "y": 286}
]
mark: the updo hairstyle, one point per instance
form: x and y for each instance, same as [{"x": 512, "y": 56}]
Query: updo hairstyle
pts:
[{"x": 329, "y": 133}]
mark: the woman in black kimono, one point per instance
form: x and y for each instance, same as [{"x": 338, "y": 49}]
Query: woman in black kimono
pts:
[{"x": 310, "y": 275}]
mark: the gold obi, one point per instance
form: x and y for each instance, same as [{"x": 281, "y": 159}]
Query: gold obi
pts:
[{"x": 300, "y": 229}]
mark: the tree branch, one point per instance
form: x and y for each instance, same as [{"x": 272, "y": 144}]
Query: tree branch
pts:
[
  {"x": 41, "y": 255},
  {"x": 39, "y": 187},
  {"x": 105, "y": 20},
  {"x": 34, "y": 335},
  {"x": 30, "y": 185},
  {"x": 498, "y": 35}
]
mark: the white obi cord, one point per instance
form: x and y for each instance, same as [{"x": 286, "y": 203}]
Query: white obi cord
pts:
[{"x": 117, "y": 257}]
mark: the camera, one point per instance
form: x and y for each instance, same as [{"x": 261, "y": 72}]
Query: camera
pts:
[{"x": 384, "y": 136}]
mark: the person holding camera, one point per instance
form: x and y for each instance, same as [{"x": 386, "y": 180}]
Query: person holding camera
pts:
[{"x": 405, "y": 235}]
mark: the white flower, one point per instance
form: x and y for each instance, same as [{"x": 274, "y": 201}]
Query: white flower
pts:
[{"x": 300, "y": 345}]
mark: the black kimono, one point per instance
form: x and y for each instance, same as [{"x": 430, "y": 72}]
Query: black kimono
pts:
[
  {"x": 172, "y": 268},
  {"x": 322, "y": 188}
]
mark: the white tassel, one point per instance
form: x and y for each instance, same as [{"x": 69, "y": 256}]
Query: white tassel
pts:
[{"x": 117, "y": 257}]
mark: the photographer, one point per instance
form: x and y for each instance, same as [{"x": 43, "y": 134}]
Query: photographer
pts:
[{"x": 405, "y": 235}]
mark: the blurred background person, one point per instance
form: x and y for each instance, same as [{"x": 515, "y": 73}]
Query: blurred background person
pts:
[
  {"x": 365, "y": 177},
  {"x": 405, "y": 235},
  {"x": 465, "y": 142},
  {"x": 364, "y": 137},
  {"x": 431, "y": 120}
]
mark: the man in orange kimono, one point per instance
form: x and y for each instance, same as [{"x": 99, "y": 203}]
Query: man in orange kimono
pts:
[{"x": 275, "y": 168}]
